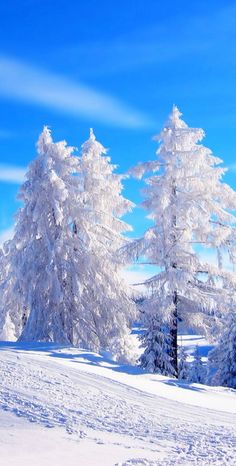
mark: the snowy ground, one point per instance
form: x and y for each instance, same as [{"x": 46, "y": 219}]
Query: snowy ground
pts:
[{"x": 68, "y": 407}]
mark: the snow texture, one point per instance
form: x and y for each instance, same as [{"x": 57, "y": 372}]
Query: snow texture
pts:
[
  {"x": 60, "y": 274},
  {"x": 102, "y": 413},
  {"x": 192, "y": 210},
  {"x": 222, "y": 359}
]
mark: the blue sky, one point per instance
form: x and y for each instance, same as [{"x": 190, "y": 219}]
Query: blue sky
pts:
[{"x": 117, "y": 66}]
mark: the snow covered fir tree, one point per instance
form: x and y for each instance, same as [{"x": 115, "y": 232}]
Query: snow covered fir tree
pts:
[
  {"x": 61, "y": 265},
  {"x": 222, "y": 359},
  {"x": 42, "y": 246},
  {"x": 197, "y": 371},
  {"x": 192, "y": 211},
  {"x": 106, "y": 309},
  {"x": 183, "y": 369},
  {"x": 60, "y": 275},
  {"x": 13, "y": 311},
  {"x": 157, "y": 346}
]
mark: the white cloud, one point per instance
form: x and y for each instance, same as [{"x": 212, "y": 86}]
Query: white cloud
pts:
[
  {"x": 155, "y": 45},
  {"x": 12, "y": 174},
  {"x": 34, "y": 85},
  {"x": 5, "y": 235}
]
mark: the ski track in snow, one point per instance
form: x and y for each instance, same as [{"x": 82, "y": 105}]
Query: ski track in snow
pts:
[{"x": 44, "y": 391}]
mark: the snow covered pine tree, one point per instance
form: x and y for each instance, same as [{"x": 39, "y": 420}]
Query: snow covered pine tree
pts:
[
  {"x": 13, "y": 312},
  {"x": 43, "y": 244},
  {"x": 105, "y": 305},
  {"x": 197, "y": 371},
  {"x": 222, "y": 359},
  {"x": 189, "y": 207},
  {"x": 64, "y": 265},
  {"x": 183, "y": 368}
]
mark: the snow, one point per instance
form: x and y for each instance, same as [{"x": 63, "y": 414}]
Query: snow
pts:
[
  {"x": 70, "y": 407},
  {"x": 60, "y": 275},
  {"x": 191, "y": 210}
]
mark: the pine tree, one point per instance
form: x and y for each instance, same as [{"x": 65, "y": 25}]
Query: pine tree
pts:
[
  {"x": 183, "y": 368},
  {"x": 105, "y": 304},
  {"x": 63, "y": 266},
  {"x": 3, "y": 274},
  {"x": 156, "y": 342},
  {"x": 41, "y": 263},
  {"x": 13, "y": 312},
  {"x": 222, "y": 359},
  {"x": 189, "y": 207},
  {"x": 197, "y": 371}
]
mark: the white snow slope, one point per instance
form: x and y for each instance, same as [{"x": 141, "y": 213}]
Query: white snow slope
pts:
[{"x": 70, "y": 407}]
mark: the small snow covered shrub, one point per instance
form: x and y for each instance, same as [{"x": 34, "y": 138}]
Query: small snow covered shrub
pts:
[{"x": 197, "y": 371}]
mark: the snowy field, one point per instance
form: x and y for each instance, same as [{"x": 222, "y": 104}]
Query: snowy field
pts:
[{"x": 71, "y": 407}]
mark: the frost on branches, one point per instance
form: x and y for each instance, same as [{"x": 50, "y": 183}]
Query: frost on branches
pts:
[
  {"x": 156, "y": 341},
  {"x": 42, "y": 262},
  {"x": 222, "y": 359},
  {"x": 183, "y": 368},
  {"x": 60, "y": 279},
  {"x": 13, "y": 311},
  {"x": 192, "y": 211},
  {"x": 105, "y": 306},
  {"x": 197, "y": 371}
]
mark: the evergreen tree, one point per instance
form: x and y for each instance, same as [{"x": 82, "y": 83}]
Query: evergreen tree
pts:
[
  {"x": 105, "y": 304},
  {"x": 222, "y": 359},
  {"x": 156, "y": 342},
  {"x": 197, "y": 372},
  {"x": 189, "y": 207},
  {"x": 13, "y": 311},
  {"x": 41, "y": 253},
  {"x": 63, "y": 262},
  {"x": 183, "y": 368}
]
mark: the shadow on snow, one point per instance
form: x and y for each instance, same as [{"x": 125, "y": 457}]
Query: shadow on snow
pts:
[{"x": 83, "y": 356}]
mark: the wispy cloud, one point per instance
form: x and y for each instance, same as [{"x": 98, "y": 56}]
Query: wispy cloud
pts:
[
  {"x": 12, "y": 174},
  {"x": 178, "y": 36},
  {"x": 34, "y": 85}
]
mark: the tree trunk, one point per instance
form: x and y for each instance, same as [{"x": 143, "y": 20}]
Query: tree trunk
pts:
[
  {"x": 174, "y": 334},
  {"x": 174, "y": 323}
]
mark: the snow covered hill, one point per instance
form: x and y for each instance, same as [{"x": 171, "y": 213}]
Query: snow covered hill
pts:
[{"x": 71, "y": 407}]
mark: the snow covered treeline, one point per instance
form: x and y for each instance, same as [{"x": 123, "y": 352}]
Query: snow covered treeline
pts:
[
  {"x": 222, "y": 359},
  {"x": 62, "y": 282},
  {"x": 60, "y": 274}
]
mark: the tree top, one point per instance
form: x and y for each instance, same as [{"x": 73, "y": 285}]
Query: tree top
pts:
[
  {"x": 91, "y": 135},
  {"x": 45, "y": 138},
  {"x": 174, "y": 120}
]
